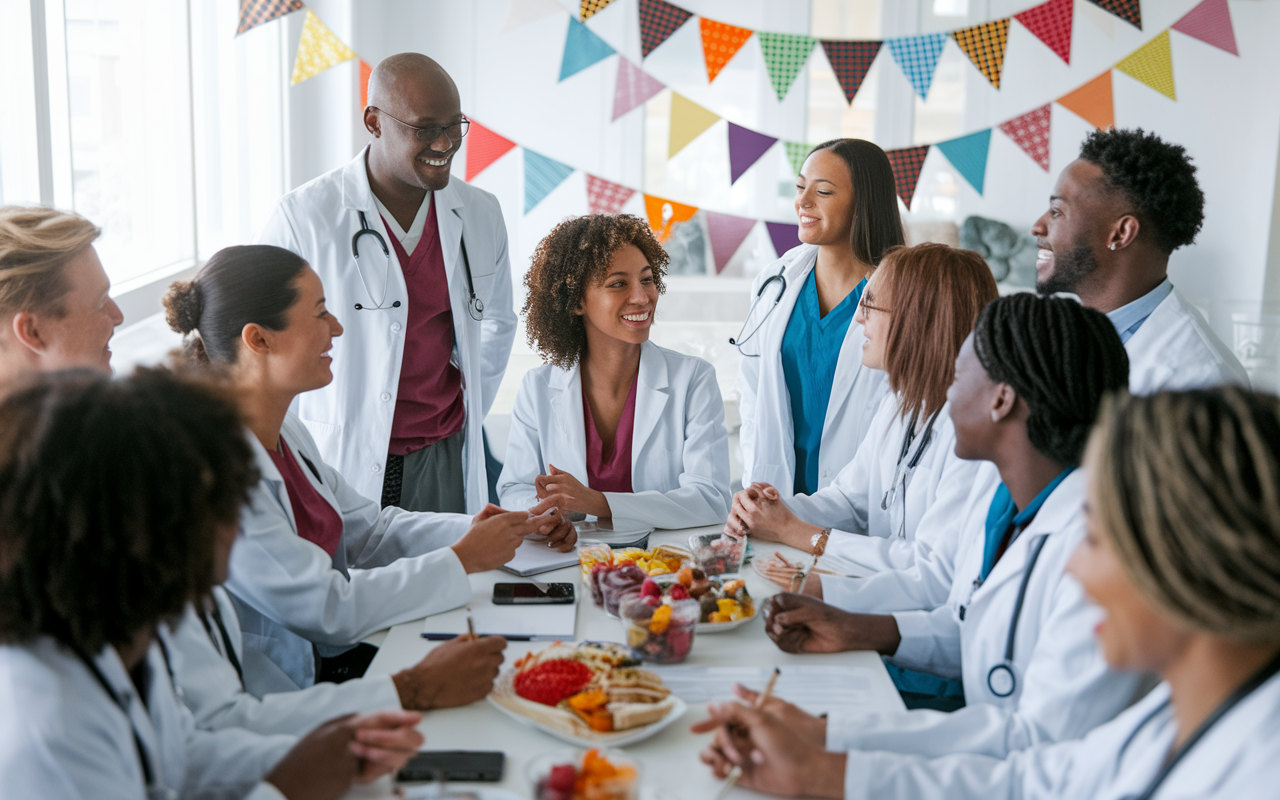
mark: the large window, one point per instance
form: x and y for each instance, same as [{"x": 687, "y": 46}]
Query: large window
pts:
[{"x": 150, "y": 118}]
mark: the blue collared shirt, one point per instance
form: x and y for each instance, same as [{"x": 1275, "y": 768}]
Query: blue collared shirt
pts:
[
  {"x": 1129, "y": 317},
  {"x": 1003, "y": 515}
]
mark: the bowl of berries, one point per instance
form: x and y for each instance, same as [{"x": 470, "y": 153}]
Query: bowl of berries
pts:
[
  {"x": 659, "y": 626},
  {"x": 591, "y": 775}
]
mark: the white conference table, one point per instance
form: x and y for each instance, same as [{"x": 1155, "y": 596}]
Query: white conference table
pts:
[{"x": 669, "y": 760}]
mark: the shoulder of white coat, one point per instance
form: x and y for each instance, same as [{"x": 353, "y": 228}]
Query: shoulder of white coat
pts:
[
  {"x": 1191, "y": 346},
  {"x": 683, "y": 361},
  {"x": 785, "y": 264},
  {"x": 38, "y": 684}
]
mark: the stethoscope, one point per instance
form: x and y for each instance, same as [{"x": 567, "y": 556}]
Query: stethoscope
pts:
[
  {"x": 903, "y": 478},
  {"x": 475, "y": 307},
  {"x": 155, "y": 790},
  {"x": 740, "y": 340},
  {"x": 1001, "y": 680},
  {"x": 1260, "y": 677}
]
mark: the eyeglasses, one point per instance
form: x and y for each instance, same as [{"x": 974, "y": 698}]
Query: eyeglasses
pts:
[{"x": 430, "y": 133}]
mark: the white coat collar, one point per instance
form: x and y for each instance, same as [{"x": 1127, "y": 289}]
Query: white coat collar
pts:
[
  {"x": 652, "y": 395},
  {"x": 1060, "y": 508},
  {"x": 357, "y": 194}
]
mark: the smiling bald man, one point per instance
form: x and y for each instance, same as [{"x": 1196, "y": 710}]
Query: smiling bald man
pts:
[{"x": 415, "y": 266}]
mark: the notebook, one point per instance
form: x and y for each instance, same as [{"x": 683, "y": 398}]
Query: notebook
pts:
[
  {"x": 520, "y": 623},
  {"x": 533, "y": 557}
]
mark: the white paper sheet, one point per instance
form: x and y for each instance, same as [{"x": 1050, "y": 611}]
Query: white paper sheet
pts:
[{"x": 816, "y": 689}]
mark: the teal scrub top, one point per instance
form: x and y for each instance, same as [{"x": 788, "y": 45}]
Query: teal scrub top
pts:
[{"x": 810, "y": 349}]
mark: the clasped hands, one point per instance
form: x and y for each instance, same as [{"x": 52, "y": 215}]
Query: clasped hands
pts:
[{"x": 758, "y": 510}]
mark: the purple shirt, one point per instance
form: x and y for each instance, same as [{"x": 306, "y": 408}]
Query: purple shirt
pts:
[
  {"x": 611, "y": 473},
  {"x": 317, "y": 521}
]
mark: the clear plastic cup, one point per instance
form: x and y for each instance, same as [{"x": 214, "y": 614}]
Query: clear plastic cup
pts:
[
  {"x": 658, "y": 632},
  {"x": 550, "y": 776},
  {"x": 718, "y": 554}
]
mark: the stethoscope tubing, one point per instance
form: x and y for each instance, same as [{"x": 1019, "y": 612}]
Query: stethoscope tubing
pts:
[
  {"x": 475, "y": 306},
  {"x": 739, "y": 340},
  {"x": 1005, "y": 667}
]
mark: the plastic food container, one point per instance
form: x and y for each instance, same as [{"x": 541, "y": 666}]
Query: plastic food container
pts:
[
  {"x": 617, "y": 582},
  {"x": 584, "y": 775},
  {"x": 717, "y": 554},
  {"x": 590, "y": 553},
  {"x": 658, "y": 632}
]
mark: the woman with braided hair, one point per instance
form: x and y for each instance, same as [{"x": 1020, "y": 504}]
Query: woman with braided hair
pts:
[
  {"x": 1182, "y": 554},
  {"x": 1010, "y": 624}
]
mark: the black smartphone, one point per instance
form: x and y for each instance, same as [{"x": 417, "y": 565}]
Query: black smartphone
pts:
[
  {"x": 457, "y": 765},
  {"x": 518, "y": 594}
]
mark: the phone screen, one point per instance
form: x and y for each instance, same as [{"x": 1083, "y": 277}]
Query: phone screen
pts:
[
  {"x": 457, "y": 765},
  {"x": 529, "y": 593}
]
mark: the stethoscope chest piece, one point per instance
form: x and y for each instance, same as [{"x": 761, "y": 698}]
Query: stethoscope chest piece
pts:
[{"x": 1001, "y": 680}]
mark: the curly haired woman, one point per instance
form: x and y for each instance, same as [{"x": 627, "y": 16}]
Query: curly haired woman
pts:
[{"x": 612, "y": 425}]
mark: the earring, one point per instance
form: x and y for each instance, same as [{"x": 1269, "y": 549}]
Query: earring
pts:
[
  {"x": 995, "y": 416},
  {"x": 1113, "y": 245}
]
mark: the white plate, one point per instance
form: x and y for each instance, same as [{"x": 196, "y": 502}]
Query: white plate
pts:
[
  {"x": 721, "y": 627},
  {"x": 592, "y": 739}
]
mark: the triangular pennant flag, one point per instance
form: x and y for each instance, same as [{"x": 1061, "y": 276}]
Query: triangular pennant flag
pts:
[
  {"x": 968, "y": 155},
  {"x": 1128, "y": 10},
  {"x": 745, "y": 148},
  {"x": 719, "y": 44},
  {"x": 726, "y": 233},
  {"x": 663, "y": 214},
  {"x": 1051, "y": 23},
  {"x": 797, "y": 152},
  {"x": 582, "y": 48},
  {"x": 255, "y": 12},
  {"x": 1101, "y": 20},
  {"x": 917, "y": 56},
  {"x": 366, "y": 72},
  {"x": 1093, "y": 102},
  {"x": 784, "y": 236},
  {"x": 658, "y": 20},
  {"x": 784, "y": 56},
  {"x": 633, "y": 87},
  {"x": 1210, "y": 22},
  {"x": 688, "y": 121},
  {"x": 1153, "y": 65},
  {"x": 541, "y": 175},
  {"x": 906, "y": 163},
  {"x": 850, "y": 62},
  {"x": 483, "y": 148},
  {"x": 522, "y": 12},
  {"x": 606, "y": 197},
  {"x": 589, "y": 8},
  {"x": 318, "y": 49},
  {"x": 1031, "y": 132},
  {"x": 984, "y": 45}
]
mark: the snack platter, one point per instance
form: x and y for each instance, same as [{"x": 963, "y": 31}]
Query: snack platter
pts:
[{"x": 592, "y": 694}]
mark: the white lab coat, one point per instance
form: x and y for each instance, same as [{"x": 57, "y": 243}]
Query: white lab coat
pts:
[
  {"x": 870, "y": 538},
  {"x": 679, "y": 446},
  {"x": 351, "y": 417},
  {"x": 1176, "y": 349},
  {"x": 1116, "y": 761},
  {"x": 764, "y": 404},
  {"x": 390, "y": 567},
  {"x": 1064, "y": 686},
  {"x": 63, "y": 738},
  {"x": 212, "y": 691}
]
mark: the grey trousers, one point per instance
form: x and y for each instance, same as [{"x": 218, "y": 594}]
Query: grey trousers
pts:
[{"x": 429, "y": 479}]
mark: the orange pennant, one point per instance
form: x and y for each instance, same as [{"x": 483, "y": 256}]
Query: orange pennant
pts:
[
  {"x": 365, "y": 72},
  {"x": 719, "y": 44},
  {"x": 663, "y": 214},
  {"x": 1093, "y": 102}
]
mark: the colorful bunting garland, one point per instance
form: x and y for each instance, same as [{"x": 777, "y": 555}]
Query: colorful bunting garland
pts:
[
  {"x": 483, "y": 148},
  {"x": 1128, "y": 10},
  {"x": 968, "y": 154},
  {"x": 906, "y": 163},
  {"x": 663, "y": 214},
  {"x": 720, "y": 42},
  {"x": 784, "y": 57},
  {"x": 1051, "y": 23},
  {"x": 658, "y": 20},
  {"x": 582, "y": 48},
  {"x": 688, "y": 121},
  {"x": 606, "y": 197},
  {"x": 255, "y": 12},
  {"x": 984, "y": 45},
  {"x": 1210, "y": 22},
  {"x": 784, "y": 235},
  {"x": 633, "y": 88},
  {"x": 918, "y": 58},
  {"x": 318, "y": 49},
  {"x": 797, "y": 152},
  {"x": 541, "y": 176},
  {"x": 1092, "y": 102},
  {"x": 850, "y": 62},
  {"x": 1153, "y": 65},
  {"x": 1031, "y": 132},
  {"x": 589, "y": 8},
  {"x": 727, "y": 233},
  {"x": 745, "y": 148}
]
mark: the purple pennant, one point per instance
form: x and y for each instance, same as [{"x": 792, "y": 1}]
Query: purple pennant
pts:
[
  {"x": 727, "y": 233},
  {"x": 745, "y": 148},
  {"x": 784, "y": 236}
]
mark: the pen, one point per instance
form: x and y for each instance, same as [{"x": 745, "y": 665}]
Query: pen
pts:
[{"x": 471, "y": 626}]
